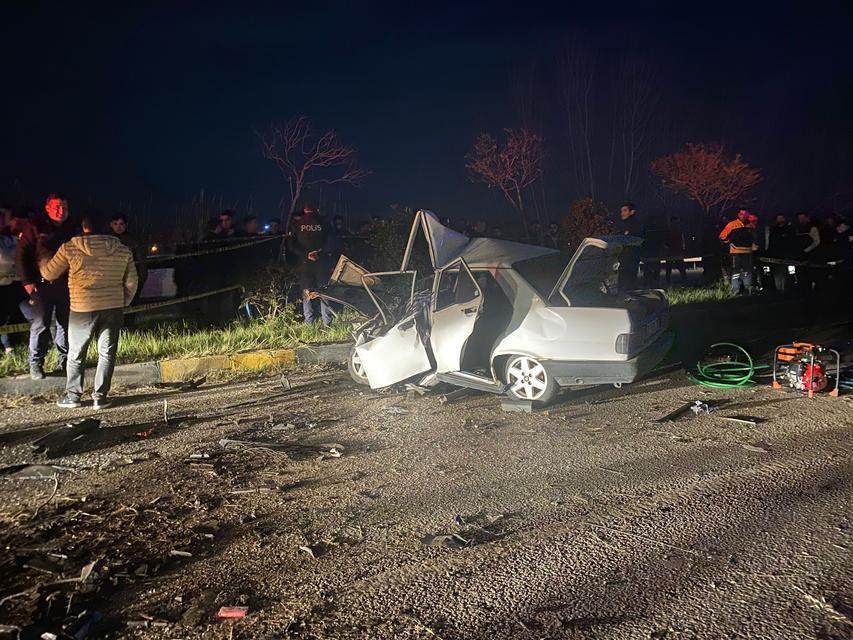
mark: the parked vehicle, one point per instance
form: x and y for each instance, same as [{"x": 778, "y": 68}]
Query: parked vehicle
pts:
[{"x": 502, "y": 316}]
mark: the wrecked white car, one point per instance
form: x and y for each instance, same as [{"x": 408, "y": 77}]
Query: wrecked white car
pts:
[{"x": 502, "y": 317}]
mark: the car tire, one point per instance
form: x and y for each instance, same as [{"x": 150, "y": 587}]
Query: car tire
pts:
[
  {"x": 356, "y": 371},
  {"x": 528, "y": 380}
]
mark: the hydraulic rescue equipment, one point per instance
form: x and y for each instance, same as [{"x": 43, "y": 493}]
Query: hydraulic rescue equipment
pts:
[{"x": 801, "y": 365}]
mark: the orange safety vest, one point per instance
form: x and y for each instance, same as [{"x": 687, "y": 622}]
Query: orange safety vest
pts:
[{"x": 736, "y": 245}]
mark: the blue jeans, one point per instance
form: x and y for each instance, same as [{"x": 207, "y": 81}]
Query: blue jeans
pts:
[
  {"x": 310, "y": 312},
  {"x": 82, "y": 328},
  {"x": 50, "y": 300},
  {"x": 741, "y": 273}
]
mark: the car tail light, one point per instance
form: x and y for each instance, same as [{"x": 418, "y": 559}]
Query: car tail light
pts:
[{"x": 628, "y": 343}]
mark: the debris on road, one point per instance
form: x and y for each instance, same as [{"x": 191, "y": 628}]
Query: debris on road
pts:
[
  {"x": 184, "y": 385},
  {"x": 59, "y": 440},
  {"x": 330, "y": 450},
  {"x": 512, "y": 405},
  {"x": 232, "y": 612},
  {"x": 397, "y": 411},
  {"x": 683, "y": 409},
  {"x": 452, "y": 396},
  {"x": 452, "y": 541},
  {"x": 758, "y": 447},
  {"x": 701, "y": 407},
  {"x": 31, "y": 471},
  {"x": 747, "y": 420}
]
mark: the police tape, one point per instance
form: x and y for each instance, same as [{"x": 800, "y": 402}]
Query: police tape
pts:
[
  {"x": 23, "y": 327},
  {"x": 194, "y": 254}
]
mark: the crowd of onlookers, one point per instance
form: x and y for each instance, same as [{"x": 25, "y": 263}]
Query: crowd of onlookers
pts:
[
  {"x": 77, "y": 275},
  {"x": 70, "y": 279}
]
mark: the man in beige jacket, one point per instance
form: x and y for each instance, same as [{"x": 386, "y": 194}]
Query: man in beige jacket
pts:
[{"x": 102, "y": 281}]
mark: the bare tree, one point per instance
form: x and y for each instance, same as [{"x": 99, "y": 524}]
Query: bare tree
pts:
[
  {"x": 307, "y": 158},
  {"x": 703, "y": 174},
  {"x": 636, "y": 102},
  {"x": 511, "y": 166},
  {"x": 577, "y": 75}
]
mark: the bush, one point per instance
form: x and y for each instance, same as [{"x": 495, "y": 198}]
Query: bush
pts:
[{"x": 585, "y": 219}]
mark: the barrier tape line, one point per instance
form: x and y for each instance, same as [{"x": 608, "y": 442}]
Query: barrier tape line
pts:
[
  {"x": 23, "y": 327},
  {"x": 155, "y": 259}
]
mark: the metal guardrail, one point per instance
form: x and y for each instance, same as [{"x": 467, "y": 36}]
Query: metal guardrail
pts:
[{"x": 23, "y": 327}]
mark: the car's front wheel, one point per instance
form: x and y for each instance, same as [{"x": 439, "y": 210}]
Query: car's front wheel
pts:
[
  {"x": 356, "y": 369},
  {"x": 528, "y": 380}
]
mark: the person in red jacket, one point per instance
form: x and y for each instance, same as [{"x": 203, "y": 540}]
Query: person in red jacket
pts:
[{"x": 739, "y": 234}]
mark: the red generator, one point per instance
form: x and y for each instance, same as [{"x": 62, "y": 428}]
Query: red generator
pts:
[{"x": 802, "y": 365}]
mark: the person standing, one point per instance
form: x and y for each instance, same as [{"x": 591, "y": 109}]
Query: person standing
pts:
[
  {"x": 552, "y": 237},
  {"x": 675, "y": 249},
  {"x": 629, "y": 264},
  {"x": 225, "y": 229},
  {"x": 10, "y": 285},
  {"x": 739, "y": 234},
  {"x": 40, "y": 240},
  {"x": 118, "y": 226},
  {"x": 779, "y": 243},
  {"x": 309, "y": 239},
  {"x": 102, "y": 281},
  {"x": 250, "y": 227}
]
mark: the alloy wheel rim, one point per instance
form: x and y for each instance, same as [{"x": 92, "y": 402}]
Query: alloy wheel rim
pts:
[
  {"x": 356, "y": 365},
  {"x": 527, "y": 378}
]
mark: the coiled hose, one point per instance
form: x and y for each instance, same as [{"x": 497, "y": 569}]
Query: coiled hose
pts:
[{"x": 721, "y": 370}]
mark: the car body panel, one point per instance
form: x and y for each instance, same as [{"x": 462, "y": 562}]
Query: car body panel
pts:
[
  {"x": 452, "y": 325},
  {"x": 394, "y": 356},
  {"x": 582, "y": 333},
  {"x": 566, "y": 333}
]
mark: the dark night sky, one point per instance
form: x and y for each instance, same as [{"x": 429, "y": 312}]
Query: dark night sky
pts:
[{"x": 153, "y": 103}]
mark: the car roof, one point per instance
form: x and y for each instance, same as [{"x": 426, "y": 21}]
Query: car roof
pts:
[{"x": 486, "y": 253}]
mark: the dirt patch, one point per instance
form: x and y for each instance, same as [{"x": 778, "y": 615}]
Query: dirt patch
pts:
[{"x": 326, "y": 515}]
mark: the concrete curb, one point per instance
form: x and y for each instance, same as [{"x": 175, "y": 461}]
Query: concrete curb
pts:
[{"x": 148, "y": 373}]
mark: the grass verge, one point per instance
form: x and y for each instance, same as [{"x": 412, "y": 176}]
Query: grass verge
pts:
[
  {"x": 719, "y": 292},
  {"x": 282, "y": 332},
  {"x": 185, "y": 341}
]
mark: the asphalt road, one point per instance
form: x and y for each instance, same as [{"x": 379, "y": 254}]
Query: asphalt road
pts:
[{"x": 591, "y": 520}]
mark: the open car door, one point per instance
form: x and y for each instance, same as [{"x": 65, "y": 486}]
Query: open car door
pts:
[
  {"x": 396, "y": 355},
  {"x": 346, "y": 287},
  {"x": 594, "y": 267},
  {"x": 456, "y": 303},
  {"x": 400, "y": 351}
]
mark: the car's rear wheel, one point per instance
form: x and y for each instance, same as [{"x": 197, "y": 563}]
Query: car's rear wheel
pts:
[
  {"x": 528, "y": 380},
  {"x": 356, "y": 369}
]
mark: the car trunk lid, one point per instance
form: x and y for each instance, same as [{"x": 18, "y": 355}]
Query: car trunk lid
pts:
[{"x": 593, "y": 267}]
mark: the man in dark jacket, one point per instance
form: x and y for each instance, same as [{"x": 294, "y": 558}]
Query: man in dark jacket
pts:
[
  {"x": 118, "y": 226},
  {"x": 630, "y": 259},
  {"x": 39, "y": 241},
  {"x": 309, "y": 247}
]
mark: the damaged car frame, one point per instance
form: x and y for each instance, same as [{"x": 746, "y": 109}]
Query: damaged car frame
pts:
[{"x": 501, "y": 316}]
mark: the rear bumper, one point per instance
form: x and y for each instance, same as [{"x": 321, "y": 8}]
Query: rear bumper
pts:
[{"x": 591, "y": 372}]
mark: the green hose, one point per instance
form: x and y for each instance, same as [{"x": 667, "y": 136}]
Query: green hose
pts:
[{"x": 724, "y": 374}]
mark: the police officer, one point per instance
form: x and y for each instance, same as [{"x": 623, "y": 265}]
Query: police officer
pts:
[{"x": 309, "y": 246}]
